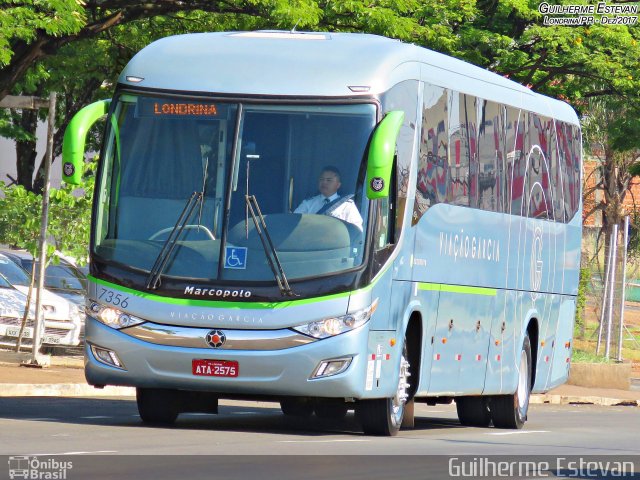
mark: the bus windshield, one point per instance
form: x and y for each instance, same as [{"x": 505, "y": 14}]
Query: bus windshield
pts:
[{"x": 223, "y": 167}]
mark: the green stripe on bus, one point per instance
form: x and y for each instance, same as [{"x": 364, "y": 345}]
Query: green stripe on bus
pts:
[
  {"x": 222, "y": 304},
  {"x": 491, "y": 292}
]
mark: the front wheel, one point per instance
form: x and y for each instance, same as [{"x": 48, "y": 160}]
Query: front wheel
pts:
[
  {"x": 158, "y": 406},
  {"x": 297, "y": 407},
  {"x": 510, "y": 411},
  {"x": 383, "y": 416}
]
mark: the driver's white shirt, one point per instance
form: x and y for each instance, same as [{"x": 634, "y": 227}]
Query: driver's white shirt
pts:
[{"x": 346, "y": 211}]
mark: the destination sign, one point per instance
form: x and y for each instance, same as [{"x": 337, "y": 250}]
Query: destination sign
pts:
[{"x": 154, "y": 107}]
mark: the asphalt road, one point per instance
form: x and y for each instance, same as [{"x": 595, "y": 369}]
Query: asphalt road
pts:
[{"x": 98, "y": 427}]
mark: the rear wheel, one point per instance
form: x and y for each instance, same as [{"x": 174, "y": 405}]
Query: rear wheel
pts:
[
  {"x": 383, "y": 416},
  {"x": 510, "y": 411},
  {"x": 158, "y": 406},
  {"x": 297, "y": 407},
  {"x": 473, "y": 411}
]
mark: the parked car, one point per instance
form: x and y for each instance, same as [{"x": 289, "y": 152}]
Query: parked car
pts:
[
  {"x": 64, "y": 279},
  {"x": 64, "y": 320}
]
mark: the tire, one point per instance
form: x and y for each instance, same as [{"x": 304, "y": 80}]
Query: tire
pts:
[
  {"x": 383, "y": 416},
  {"x": 408, "y": 419},
  {"x": 473, "y": 411},
  {"x": 158, "y": 406},
  {"x": 297, "y": 407},
  {"x": 331, "y": 410},
  {"x": 510, "y": 411}
]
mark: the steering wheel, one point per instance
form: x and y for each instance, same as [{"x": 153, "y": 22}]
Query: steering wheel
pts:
[{"x": 186, "y": 227}]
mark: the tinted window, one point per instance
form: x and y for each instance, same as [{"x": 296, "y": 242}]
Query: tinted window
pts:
[
  {"x": 461, "y": 132},
  {"x": 491, "y": 150},
  {"x": 538, "y": 190},
  {"x": 496, "y": 158},
  {"x": 403, "y": 97},
  {"x": 433, "y": 165},
  {"x": 516, "y": 161}
]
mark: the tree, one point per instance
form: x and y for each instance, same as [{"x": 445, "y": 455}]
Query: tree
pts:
[
  {"x": 612, "y": 135},
  {"x": 69, "y": 218}
]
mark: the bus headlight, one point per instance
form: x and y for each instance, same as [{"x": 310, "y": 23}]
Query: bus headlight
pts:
[
  {"x": 112, "y": 317},
  {"x": 329, "y": 327}
]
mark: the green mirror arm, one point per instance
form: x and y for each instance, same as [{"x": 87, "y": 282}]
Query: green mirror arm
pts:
[
  {"x": 381, "y": 153},
  {"x": 75, "y": 137}
]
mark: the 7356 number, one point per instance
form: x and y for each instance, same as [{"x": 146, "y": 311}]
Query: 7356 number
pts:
[{"x": 114, "y": 299}]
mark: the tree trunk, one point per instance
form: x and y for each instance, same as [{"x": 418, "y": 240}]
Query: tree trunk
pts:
[{"x": 26, "y": 149}]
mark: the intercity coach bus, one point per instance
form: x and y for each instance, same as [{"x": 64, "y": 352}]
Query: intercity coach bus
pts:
[{"x": 459, "y": 283}]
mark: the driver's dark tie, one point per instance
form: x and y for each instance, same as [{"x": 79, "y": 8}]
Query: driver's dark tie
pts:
[{"x": 324, "y": 204}]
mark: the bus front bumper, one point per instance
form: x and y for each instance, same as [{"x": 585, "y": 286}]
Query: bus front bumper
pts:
[{"x": 284, "y": 372}]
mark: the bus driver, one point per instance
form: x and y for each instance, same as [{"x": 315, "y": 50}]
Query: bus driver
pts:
[{"x": 328, "y": 202}]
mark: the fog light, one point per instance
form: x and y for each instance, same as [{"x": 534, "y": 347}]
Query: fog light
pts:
[
  {"x": 327, "y": 368},
  {"x": 108, "y": 357}
]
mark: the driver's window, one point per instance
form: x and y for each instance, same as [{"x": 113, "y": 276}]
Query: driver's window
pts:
[
  {"x": 384, "y": 226},
  {"x": 381, "y": 235}
]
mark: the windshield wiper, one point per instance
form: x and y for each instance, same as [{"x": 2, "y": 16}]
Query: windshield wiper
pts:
[
  {"x": 153, "y": 281},
  {"x": 269, "y": 249}
]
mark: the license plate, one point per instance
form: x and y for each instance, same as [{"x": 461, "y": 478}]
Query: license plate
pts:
[
  {"x": 51, "y": 339},
  {"x": 15, "y": 331},
  {"x": 215, "y": 368}
]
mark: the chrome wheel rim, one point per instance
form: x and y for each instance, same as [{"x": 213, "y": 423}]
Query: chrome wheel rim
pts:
[
  {"x": 402, "y": 393},
  {"x": 523, "y": 382}
]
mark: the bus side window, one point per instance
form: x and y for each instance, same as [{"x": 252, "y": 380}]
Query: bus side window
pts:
[{"x": 382, "y": 224}]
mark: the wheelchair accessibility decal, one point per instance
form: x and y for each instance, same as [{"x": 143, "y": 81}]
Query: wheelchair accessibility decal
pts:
[{"x": 235, "y": 257}]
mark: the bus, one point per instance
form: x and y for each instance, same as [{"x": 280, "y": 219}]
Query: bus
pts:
[{"x": 209, "y": 280}]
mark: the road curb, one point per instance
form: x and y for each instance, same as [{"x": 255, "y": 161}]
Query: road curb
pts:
[
  {"x": 62, "y": 390},
  {"x": 582, "y": 400}
]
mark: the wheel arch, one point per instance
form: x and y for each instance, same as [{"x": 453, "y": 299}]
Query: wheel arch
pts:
[
  {"x": 533, "y": 331},
  {"x": 413, "y": 334}
]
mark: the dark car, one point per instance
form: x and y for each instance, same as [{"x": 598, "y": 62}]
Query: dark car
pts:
[{"x": 64, "y": 279}]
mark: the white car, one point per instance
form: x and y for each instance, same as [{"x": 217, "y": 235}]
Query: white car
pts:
[{"x": 64, "y": 321}]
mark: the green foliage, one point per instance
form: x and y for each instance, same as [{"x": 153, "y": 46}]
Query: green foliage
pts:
[
  {"x": 583, "y": 356},
  {"x": 69, "y": 218},
  {"x": 583, "y": 289},
  {"x": 21, "y": 21},
  {"x": 20, "y": 211}
]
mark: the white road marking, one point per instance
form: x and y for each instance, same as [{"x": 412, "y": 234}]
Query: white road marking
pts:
[
  {"x": 94, "y": 417},
  {"x": 43, "y": 419},
  {"x": 324, "y": 441},
  {"x": 244, "y": 413},
  {"x": 89, "y": 453},
  {"x": 70, "y": 453},
  {"x": 517, "y": 432}
]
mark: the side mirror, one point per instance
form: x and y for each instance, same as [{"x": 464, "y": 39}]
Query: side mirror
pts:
[
  {"x": 381, "y": 152},
  {"x": 75, "y": 137}
]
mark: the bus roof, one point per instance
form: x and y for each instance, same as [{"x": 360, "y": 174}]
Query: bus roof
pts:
[{"x": 308, "y": 64}]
